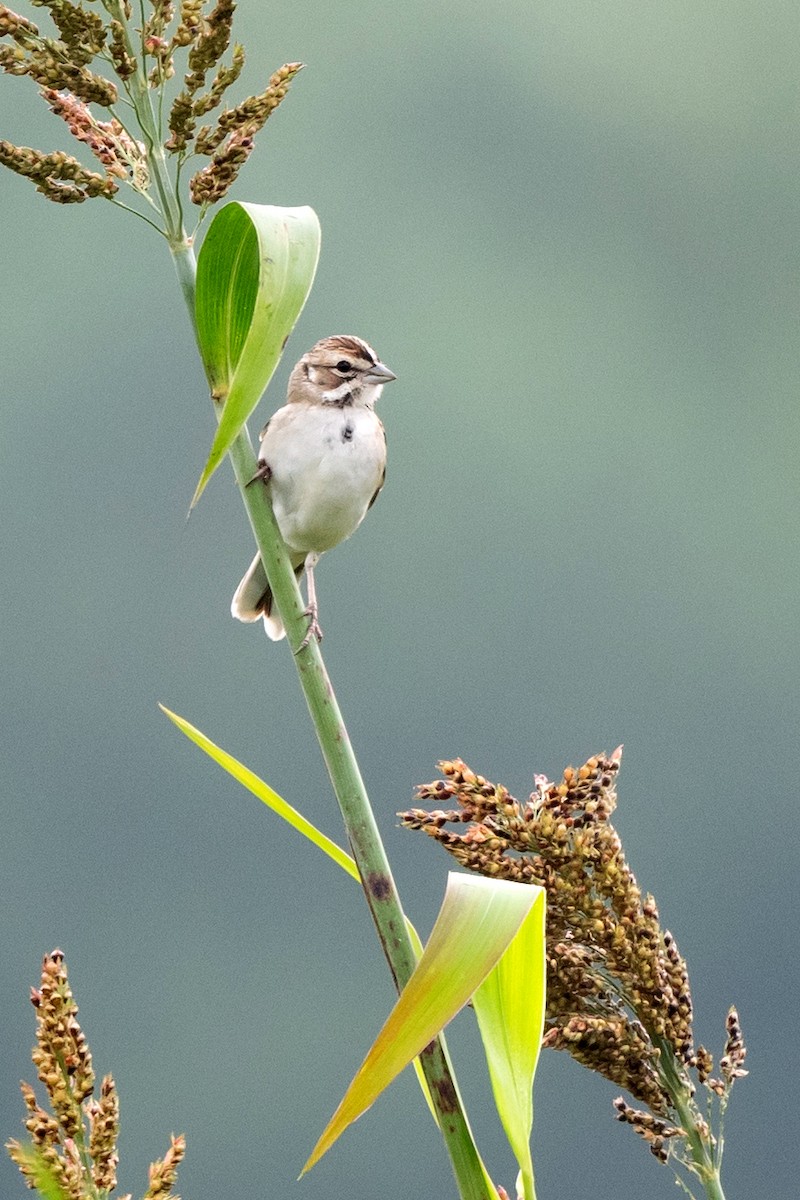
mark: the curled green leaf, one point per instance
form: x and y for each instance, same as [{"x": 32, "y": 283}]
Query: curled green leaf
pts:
[{"x": 254, "y": 272}]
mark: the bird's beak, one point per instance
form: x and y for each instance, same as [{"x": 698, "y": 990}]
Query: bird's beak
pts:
[{"x": 379, "y": 374}]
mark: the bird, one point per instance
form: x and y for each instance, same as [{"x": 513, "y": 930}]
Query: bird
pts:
[{"x": 323, "y": 458}]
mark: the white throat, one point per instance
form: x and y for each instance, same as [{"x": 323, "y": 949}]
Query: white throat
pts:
[
  {"x": 350, "y": 391},
  {"x": 343, "y": 394}
]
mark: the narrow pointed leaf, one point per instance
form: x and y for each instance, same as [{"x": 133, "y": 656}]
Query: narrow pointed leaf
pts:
[
  {"x": 265, "y": 793},
  {"x": 510, "y": 1006},
  {"x": 478, "y": 919},
  {"x": 254, "y": 272}
]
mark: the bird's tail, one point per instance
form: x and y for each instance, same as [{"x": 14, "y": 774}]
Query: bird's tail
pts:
[{"x": 253, "y": 599}]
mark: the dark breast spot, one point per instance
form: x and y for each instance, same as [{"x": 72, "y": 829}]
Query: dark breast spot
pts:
[{"x": 347, "y": 431}]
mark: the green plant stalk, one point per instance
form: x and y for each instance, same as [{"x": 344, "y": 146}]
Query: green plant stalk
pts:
[
  {"x": 705, "y": 1166},
  {"x": 368, "y": 851},
  {"x": 362, "y": 831}
]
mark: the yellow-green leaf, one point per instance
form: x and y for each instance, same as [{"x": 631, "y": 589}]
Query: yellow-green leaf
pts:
[
  {"x": 265, "y": 793},
  {"x": 510, "y": 1006},
  {"x": 478, "y": 919}
]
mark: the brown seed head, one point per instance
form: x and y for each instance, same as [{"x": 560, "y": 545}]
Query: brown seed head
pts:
[
  {"x": 213, "y": 182},
  {"x": 735, "y": 1050},
  {"x": 210, "y": 44},
  {"x": 58, "y": 176},
  {"x": 617, "y": 985},
  {"x": 19, "y": 28},
  {"x": 251, "y": 115},
  {"x": 164, "y": 1172}
]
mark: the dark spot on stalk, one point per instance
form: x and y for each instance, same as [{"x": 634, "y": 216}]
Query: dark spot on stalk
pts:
[
  {"x": 378, "y": 885},
  {"x": 448, "y": 1100}
]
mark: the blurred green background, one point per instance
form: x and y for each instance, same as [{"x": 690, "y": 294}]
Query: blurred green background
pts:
[{"x": 570, "y": 229}]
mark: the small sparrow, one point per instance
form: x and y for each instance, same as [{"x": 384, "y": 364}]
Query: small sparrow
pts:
[{"x": 323, "y": 457}]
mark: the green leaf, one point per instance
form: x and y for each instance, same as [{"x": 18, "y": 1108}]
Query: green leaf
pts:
[
  {"x": 478, "y": 919},
  {"x": 510, "y": 1006},
  {"x": 265, "y": 793},
  {"x": 254, "y": 272}
]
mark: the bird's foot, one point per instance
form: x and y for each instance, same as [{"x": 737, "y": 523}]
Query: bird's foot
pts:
[
  {"x": 314, "y": 628},
  {"x": 263, "y": 473}
]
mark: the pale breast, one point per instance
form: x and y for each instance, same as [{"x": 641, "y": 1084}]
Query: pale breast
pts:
[{"x": 327, "y": 463}]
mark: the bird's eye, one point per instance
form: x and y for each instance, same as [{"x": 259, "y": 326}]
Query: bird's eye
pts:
[{"x": 344, "y": 366}]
